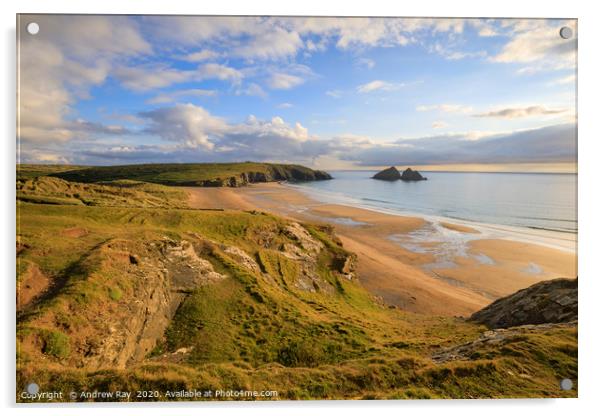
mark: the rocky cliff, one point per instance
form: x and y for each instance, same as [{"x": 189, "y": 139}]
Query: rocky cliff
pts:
[
  {"x": 272, "y": 174},
  {"x": 551, "y": 301}
]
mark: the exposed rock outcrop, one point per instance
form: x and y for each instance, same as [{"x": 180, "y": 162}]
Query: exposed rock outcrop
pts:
[
  {"x": 390, "y": 174},
  {"x": 412, "y": 175},
  {"x": 242, "y": 258},
  {"x": 296, "y": 232},
  {"x": 273, "y": 174},
  {"x": 551, "y": 301},
  {"x": 494, "y": 338},
  {"x": 167, "y": 272}
]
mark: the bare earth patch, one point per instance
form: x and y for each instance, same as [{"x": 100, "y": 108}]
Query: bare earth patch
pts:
[
  {"x": 33, "y": 283},
  {"x": 74, "y": 232}
]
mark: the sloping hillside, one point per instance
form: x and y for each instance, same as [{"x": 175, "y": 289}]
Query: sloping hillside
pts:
[
  {"x": 158, "y": 298},
  {"x": 55, "y": 191}
]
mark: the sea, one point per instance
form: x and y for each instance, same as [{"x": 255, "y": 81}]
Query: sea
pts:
[{"x": 531, "y": 205}]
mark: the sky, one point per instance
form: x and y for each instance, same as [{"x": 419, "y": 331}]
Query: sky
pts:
[{"x": 330, "y": 93}]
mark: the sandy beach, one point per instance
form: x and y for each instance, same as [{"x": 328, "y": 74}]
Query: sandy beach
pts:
[{"x": 418, "y": 264}]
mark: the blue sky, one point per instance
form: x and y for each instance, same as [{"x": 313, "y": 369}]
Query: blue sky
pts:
[{"x": 325, "y": 92}]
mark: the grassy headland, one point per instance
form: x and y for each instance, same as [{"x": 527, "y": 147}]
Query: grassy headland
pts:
[
  {"x": 143, "y": 293},
  {"x": 181, "y": 174}
]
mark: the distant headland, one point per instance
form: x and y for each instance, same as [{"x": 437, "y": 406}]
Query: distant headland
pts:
[{"x": 182, "y": 174}]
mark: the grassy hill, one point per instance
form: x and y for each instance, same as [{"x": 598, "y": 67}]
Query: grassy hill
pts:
[
  {"x": 55, "y": 191},
  {"x": 121, "y": 286},
  {"x": 180, "y": 174}
]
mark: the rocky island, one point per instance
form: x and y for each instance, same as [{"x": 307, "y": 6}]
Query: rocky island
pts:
[{"x": 392, "y": 174}]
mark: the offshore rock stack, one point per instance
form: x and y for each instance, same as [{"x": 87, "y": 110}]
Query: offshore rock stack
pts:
[{"x": 392, "y": 174}]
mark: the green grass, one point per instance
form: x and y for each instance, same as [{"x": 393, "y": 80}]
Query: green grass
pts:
[
  {"x": 29, "y": 171},
  {"x": 55, "y": 191},
  {"x": 181, "y": 174},
  {"x": 56, "y": 344},
  {"x": 115, "y": 293},
  {"x": 402, "y": 377},
  {"x": 249, "y": 330}
]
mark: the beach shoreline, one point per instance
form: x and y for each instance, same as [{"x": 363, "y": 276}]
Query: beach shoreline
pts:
[
  {"x": 561, "y": 240},
  {"x": 418, "y": 263}
]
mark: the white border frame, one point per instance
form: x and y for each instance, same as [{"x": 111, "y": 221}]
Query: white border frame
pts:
[{"x": 589, "y": 210}]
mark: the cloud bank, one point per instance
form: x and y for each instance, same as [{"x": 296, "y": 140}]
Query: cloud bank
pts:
[
  {"x": 544, "y": 145},
  {"x": 74, "y": 57},
  {"x": 191, "y": 133}
]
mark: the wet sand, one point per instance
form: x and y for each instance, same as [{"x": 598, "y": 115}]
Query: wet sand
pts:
[{"x": 410, "y": 262}]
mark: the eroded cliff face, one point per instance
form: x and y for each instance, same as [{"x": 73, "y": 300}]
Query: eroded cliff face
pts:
[
  {"x": 168, "y": 272},
  {"x": 120, "y": 299},
  {"x": 273, "y": 174}
]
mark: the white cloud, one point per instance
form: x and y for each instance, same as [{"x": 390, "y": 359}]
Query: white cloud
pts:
[
  {"x": 569, "y": 79},
  {"x": 451, "y": 53},
  {"x": 188, "y": 124},
  {"x": 150, "y": 77},
  {"x": 446, "y": 108},
  {"x": 153, "y": 76},
  {"x": 487, "y": 31},
  {"x": 334, "y": 93},
  {"x": 58, "y": 67},
  {"x": 273, "y": 43},
  {"x": 42, "y": 156},
  {"x": 485, "y": 28},
  {"x": 202, "y": 55},
  {"x": 365, "y": 63},
  {"x": 316, "y": 46},
  {"x": 194, "y": 30},
  {"x": 272, "y": 38},
  {"x": 538, "y": 44},
  {"x": 244, "y": 37},
  {"x": 439, "y": 124},
  {"x": 449, "y": 25},
  {"x": 283, "y": 81},
  {"x": 221, "y": 72},
  {"x": 353, "y": 32},
  {"x": 285, "y": 105},
  {"x": 174, "y": 95},
  {"x": 252, "y": 89},
  {"x": 519, "y": 112},
  {"x": 194, "y": 127},
  {"x": 379, "y": 85}
]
